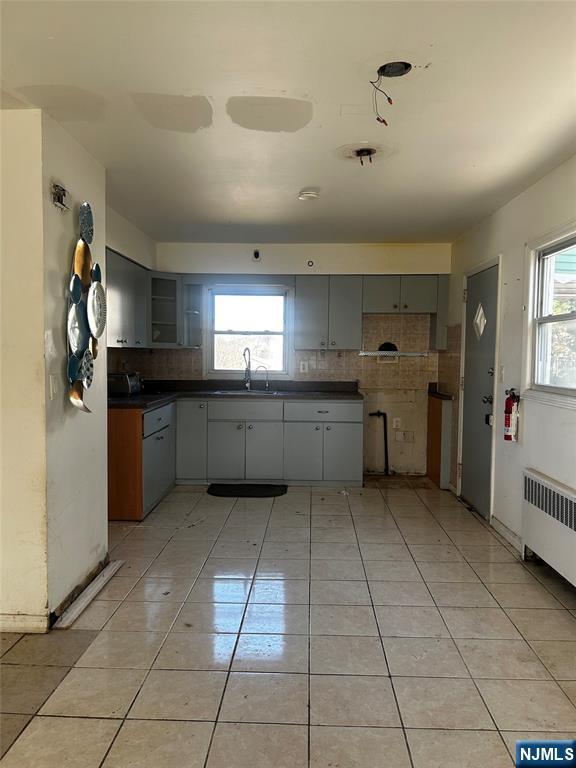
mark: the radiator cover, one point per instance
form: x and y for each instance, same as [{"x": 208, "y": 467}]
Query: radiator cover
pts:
[{"x": 549, "y": 522}]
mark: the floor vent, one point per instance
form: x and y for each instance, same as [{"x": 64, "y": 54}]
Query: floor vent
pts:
[{"x": 549, "y": 522}]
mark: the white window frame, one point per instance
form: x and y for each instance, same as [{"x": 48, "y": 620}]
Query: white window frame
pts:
[
  {"x": 536, "y": 252},
  {"x": 248, "y": 290}
]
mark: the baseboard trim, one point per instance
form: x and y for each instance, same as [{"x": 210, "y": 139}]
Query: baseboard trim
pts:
[
  {"x": 23, "y": 622},
  {"x": 84, "y": 599},
  {"x": 511, "y": 537}
]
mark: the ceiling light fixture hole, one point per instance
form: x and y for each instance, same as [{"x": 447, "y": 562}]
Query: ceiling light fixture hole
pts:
[{"x": 394, "y": 69}]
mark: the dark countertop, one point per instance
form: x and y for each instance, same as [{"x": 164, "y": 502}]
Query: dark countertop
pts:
[{"x": 156, "y": 396}]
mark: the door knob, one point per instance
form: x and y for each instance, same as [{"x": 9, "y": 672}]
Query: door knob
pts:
[
  {"x": 490, "y": 371},
  {"x": 488, "y": 399}
]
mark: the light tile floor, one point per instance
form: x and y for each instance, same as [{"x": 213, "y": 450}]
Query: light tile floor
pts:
[{"x": 382, "y": 627}]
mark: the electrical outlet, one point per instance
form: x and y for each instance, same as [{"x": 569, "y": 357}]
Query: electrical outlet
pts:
[
  {"x": 404, "y": 436},
  {"x": 399, "y": 436},
  {"x": 303, "y": 366},
  {"x": 396, "y": 423}
]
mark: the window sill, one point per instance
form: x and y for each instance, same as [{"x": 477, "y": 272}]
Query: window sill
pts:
[{"x": 554, "y": 399}]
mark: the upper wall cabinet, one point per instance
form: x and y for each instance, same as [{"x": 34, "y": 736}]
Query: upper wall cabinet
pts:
[
  {"x": 311, "y": 312},
  {"x": 419, "y": 293},
  {"x": 126, "y": 301},
  {"x": 328, "y": 312},
  {"x": 381, "y": 293},
  {"x": 193, "y": 302},
  {"x": 165, "y": 303},
  {"x": 345, "y": 312},
  {"x": 401, "y": 293}
]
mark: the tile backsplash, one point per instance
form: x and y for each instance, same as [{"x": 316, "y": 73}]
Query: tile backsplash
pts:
[{"x": 410, "y": 333}]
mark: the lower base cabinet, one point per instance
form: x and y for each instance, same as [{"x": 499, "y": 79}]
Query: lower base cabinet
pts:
[
  {"x": 239, "y": 450},
  {"x": 192, "y": 429},
  {"x": 226, "y": 450},
  {"x": 303, "y": 449},
  {"x": 141, "y": 460},
  {"x": 158, "y": 466},
  {"x": 328, "y": 452}
]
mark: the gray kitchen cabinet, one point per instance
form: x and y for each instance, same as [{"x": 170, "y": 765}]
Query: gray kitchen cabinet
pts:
[
  {"x": 226, "y": 450},
  {"x": 193, "y": 297},
  {"x": 139, "y": 280},
  {"x": 311, "y": 312},
  {"x": 381, "y": 293},
  {"x": 419, "y": 293},
  {"x": 303, "y": 449},
  {"x": 191, "y": 437},
  {"x": 120, "y": 301},
  {"x": 264, "y": 450},
  {"x": 439, "y": 321},
  {"x": 343, "y": 450},
  {"x": 165, "y": 310},
  {"x": 126, "y": 294},
  {"x": 345, "y": 312},
  {"x": 158, "y": 466},
  {"x": 328, "y": 312}
]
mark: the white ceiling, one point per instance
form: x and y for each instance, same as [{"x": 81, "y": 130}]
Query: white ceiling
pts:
[{"x": 152, "y": 90}]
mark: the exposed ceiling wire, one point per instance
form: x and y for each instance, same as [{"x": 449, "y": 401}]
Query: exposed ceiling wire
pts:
[{"x": 377, "y": 89}]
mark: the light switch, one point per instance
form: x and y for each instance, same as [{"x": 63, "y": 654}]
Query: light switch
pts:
[
  {"x": 396, "y": 423},
  {"x": 303, "y": 366},
  {"x": 53, "y": 385}
]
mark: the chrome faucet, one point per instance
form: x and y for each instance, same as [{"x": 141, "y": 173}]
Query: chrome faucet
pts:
[
  {"x": 267, "y": 385},
  {"x": 247, "y": 371}
]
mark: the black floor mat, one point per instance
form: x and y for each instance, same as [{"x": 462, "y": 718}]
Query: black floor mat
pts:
[{"x": 246, "y": 491}]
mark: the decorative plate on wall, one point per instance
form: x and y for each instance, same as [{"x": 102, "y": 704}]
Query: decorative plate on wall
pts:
[{"x": 86, "y": 312}]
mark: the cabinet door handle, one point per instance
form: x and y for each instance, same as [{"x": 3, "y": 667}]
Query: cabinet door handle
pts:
[
  {"x": 333, "y": 343},
  {"x": 240, "y": 426},
  {"x": 328, "y": 429},
  {"x": 196, "y": 346},
  {"x": 250, "y": 426},
  {"x": 405, "y": 306},
  {"x": 195, "y": 311},
  {"x": 322, "y": 343},
  {"x": 316, "y": 428},
  {"x": 160, "y": 437},
  {"x": 121, "y": 341},
  {"x": 394, "y": 306},
  {"x": 322, "y": 411},
  {"x": 202, "y": 405}
]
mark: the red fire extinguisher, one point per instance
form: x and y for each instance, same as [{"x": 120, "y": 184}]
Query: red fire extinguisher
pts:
[{"x": 511, "y": 415}]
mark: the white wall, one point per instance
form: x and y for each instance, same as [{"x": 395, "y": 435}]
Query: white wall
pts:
[
  {"x": 76, "y": 442},
  {"x": 122, "y": 236},
  {"x": 54, "y": 475},
  {"x": 23, "y": 557},
  {"x": 290, "y": 259},
  {"x": 548, "y": 432}
]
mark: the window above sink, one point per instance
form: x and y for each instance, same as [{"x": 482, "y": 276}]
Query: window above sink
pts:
[{"x": 256, "y": 317}]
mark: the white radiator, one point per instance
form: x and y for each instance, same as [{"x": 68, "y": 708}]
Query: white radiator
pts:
[{"x": 549, "y": 522}]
